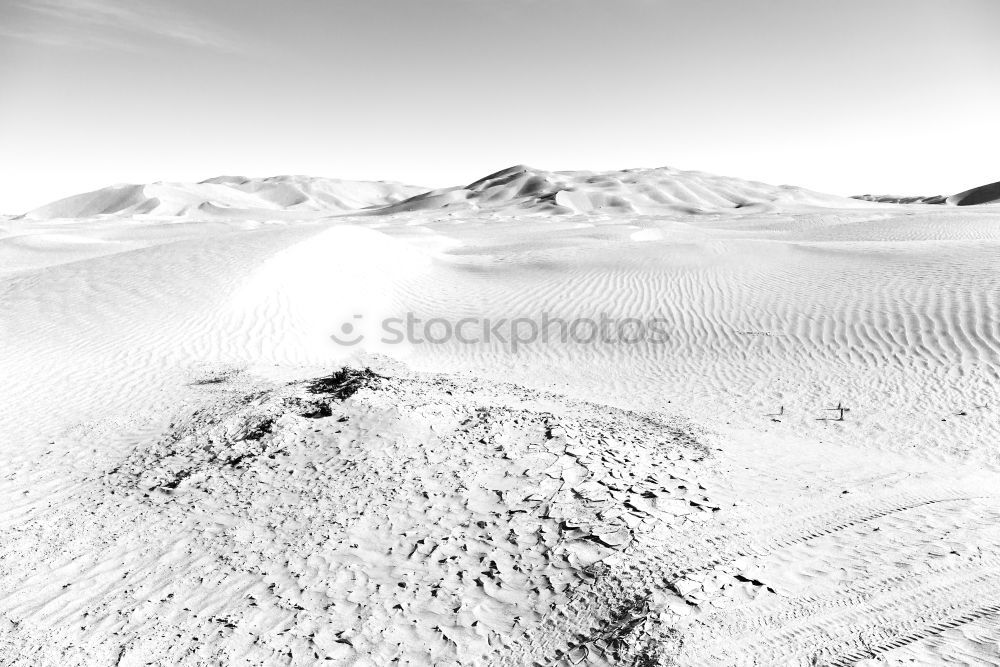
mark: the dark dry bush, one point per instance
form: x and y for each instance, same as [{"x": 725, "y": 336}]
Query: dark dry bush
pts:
[{"x": 345, "y": 383}]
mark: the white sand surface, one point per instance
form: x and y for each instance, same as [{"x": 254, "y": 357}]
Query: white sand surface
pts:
[{"x": 176, "y": 486}]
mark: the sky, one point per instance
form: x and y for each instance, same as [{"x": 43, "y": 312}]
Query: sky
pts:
[{"x": 847, "y": 97}]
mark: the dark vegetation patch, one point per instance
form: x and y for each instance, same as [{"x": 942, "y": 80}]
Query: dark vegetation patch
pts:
[{"x": 345, "y": 383}]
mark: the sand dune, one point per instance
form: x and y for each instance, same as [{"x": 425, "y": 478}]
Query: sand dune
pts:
[
  {"x": 522, "y": 189},
  {"x": 182, "y": 478},
  {"x": 231, "y": 196},
  {"x": 984, "y": 194},
  {"x": 516, "y": 190}
]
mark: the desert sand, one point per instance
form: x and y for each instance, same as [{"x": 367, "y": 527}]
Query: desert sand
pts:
[{"x": 801, "y": 471}]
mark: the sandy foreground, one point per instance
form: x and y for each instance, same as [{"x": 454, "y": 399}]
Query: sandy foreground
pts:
[{"x": 801, "y": 472}]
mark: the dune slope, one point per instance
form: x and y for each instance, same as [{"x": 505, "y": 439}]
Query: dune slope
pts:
[{"x": 984, "y": 194}]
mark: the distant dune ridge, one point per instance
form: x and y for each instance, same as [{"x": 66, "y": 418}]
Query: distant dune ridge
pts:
[
  {"x": 984, "y": 194},
  {"x": 897, "y": 199},
  {"x": 227, "y": 195},
  {"x": 517, "y": 190},
  {"x": 522, "y": 189}
]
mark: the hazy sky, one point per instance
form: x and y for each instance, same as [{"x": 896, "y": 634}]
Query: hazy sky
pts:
[{"x": 848, "y": 97}]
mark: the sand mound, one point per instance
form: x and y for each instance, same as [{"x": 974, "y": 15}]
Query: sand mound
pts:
[
  {"x": 226, "y": 196},
  {"x": 984, "y": 194},
  {"x": 364, "y": 519},
  {"x": 522, "y": 189}
]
